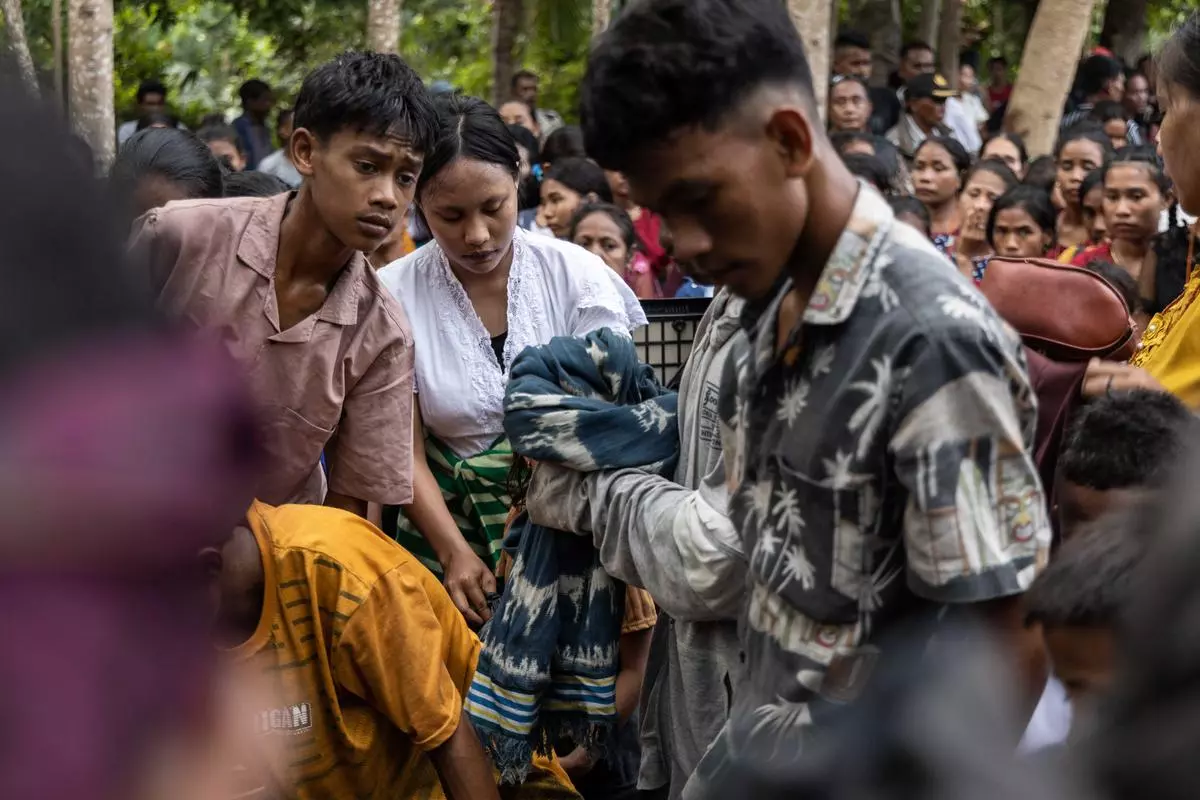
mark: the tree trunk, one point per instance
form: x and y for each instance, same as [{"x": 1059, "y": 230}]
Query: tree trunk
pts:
[
  {"x": 383, "y": 25},
  {"x": 90, "y": 62},
  {"x": 811, "y": 18},
  {"x": 507, "y": 16},
  {"x": 601, "y": 15},
  {"x": 881, "y": 18},
  {"x": 927, "y": 28},
  {"x": 1035, "y": 110},
  {"x": 56, "y": 33},
  {"x": 14, "y": 23},
  {"x": 1124, "y": 29},
  {"x": 950, "y": 39}
]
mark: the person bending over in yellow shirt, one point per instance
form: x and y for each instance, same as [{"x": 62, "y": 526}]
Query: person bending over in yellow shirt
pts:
[{"x": 364, "y": 657}]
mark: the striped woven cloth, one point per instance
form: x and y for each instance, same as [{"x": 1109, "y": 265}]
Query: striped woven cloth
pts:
[{"x": 476, "y": 492}]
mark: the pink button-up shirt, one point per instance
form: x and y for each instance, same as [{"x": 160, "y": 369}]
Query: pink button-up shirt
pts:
[{"x": 348, "y": 368}]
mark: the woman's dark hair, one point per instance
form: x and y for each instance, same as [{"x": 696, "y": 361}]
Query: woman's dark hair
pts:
[
  {"x": 843, "y": 139},
  {"x": 997, "y": 168},
  {"x": 1121, "y": 280},
  {"x": 958, "y": 153},
  {"x": 1091, "y": 181},
  {"x": 1018, "y": 142},
  {"x": 1107, "y": 110},
  {"x": 253, "y": 184},
  {"x": 869, "y": 168},
  {"x": 1042, "y": 173},
  {"x": 220, "y": 133},
  {"x": 157, "y": 118},
  {"x": 1033, "y": 201},
  {"x": 582, "y": 176},
  {"x": 468, "y": 128},
  {"x": 617, "y": 214},
  {"x": 1179, "y": 61},
  {"x": 564, "y": 142},
  {"x": 174, "y": 155},
  {"x": 1090, "y": 131},
  {"x": 907, "y": 204},
  {"x": 525, "y": 138},
  {"x": 1142, "y": 156}
]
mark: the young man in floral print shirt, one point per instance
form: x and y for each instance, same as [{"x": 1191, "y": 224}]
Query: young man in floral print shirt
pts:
[{"x": 878, "y": 430}]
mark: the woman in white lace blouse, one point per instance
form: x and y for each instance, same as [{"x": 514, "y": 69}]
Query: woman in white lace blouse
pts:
[{"x": 476, "y": 296}]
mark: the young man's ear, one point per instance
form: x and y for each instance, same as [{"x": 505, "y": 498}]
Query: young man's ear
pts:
[
  {"x": 303, "y": 147},
  {"x": 792, "y": 132}
]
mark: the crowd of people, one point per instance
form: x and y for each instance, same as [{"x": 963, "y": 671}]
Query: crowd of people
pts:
[{"x": 363, "y": 387}]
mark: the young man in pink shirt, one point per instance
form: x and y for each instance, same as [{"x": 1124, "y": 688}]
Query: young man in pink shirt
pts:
[{"x": 327, "y": 349}]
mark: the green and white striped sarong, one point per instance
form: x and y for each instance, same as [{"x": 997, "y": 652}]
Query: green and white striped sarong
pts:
[{"x": 476, "y": 492}]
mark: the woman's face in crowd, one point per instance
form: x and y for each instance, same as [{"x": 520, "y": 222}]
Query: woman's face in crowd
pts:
[
  {"x": 471, "y": 209},
  {"x": 976, "y": 201},
  {"x": 598, "y": 233},
  {"x": 517, "y": 113},
  {"x": 1133, "y": 202},
  {"x": 1179, "y": 143},
  {"x": 559, "y": 204},
  {"x": 1093, "y": 213},
  {"x": 966, "y": 78},
  {"x": 935, "y": 178},
  {"x": 1077, "y": 158},
  {"x": 1117, "y": 133},
  {"x": 1137, "y": 93},
  {"x": 849, "y": 107},
  {"x": 1006, "y": 152},
  {"x": 1017, "y": 235}
]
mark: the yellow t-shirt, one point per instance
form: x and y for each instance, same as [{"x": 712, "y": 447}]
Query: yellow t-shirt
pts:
[
  {"x": 1170, "y": 348},
  {"x": 366, "y": 657}
]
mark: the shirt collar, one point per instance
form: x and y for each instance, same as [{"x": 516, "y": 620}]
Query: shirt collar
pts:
[
  {"x": 259, "y": 247},
  {"x": 853, "y": 260}
]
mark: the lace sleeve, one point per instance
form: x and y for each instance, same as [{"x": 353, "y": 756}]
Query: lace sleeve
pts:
[{"x": 604, "y": 300}]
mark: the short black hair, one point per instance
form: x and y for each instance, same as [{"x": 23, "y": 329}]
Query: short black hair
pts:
[
  {"x": 580, "y": 175},
  {"x": 468, "y": 128},
  {"x": 373, "y": 93},
  {"x": 869, "y": 168},
  {"x": 151, "y": 86},
  {"x": 843, "y": 139},
  {"x": 1120, "y": 280},
  {"x": 670, "y": 65},
  {"x": 253, "y": 89},
  {"x": 907, "y": 204},
  {"x": 914, "y": 44},
  {"x": 617, "y": 214},
  {"x": 1107, "y": 110},
  {"x": 171, "y": 154},
  {"x": 284, "y": 116},
  {"x": 851, "y": 38},
  {"x": 1033, "y": 201},
  {"x": 564, "y": 142},
  {"x": 520, "y": 75},
  {"x": 1091, "y": 579},
  {"x": 1125, "y": 440},
  {"x": 253, "y": 184},
  {"x": 997, "y": 60},
  {"x": 1095, "y": 72},
  {"x": 1042, "y": 172},
  {"x": 219, "y": 133}
]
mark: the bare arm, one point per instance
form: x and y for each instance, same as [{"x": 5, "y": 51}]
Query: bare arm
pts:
[
  {"x": 467, "y": 578},
  {"x": 462, "y": 767},
  {"x": 345, "y": 502}
]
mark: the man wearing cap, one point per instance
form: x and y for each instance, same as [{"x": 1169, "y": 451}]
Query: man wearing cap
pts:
[{"x": 924, "y": 115}]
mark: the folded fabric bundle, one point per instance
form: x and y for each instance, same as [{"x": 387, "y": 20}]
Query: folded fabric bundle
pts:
[{"x": 548, "y": 668}]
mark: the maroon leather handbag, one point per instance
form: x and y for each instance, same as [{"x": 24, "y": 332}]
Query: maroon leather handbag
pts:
[{"x": 1066, "y": 313}]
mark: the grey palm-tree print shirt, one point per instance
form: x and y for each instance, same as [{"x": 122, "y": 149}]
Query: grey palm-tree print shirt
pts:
[{"x": 882, "y": 464}]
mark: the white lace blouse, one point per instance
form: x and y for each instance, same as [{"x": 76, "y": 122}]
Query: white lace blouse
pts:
[{"x": 554, "y": 289}]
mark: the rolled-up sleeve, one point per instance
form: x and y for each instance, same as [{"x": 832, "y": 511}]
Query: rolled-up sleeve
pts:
[
  {"x": 976, "y": 526},
  {"x": 372, "y": 455}
]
